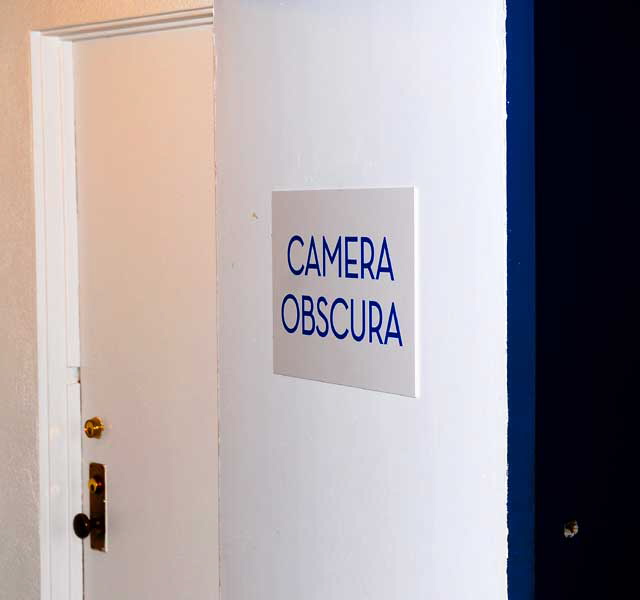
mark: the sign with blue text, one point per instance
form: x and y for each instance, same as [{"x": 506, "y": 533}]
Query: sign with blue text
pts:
[{"x": 344, "y": 287}]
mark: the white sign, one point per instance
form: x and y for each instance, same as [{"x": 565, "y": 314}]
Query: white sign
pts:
[{"x": 344, "y": 287}]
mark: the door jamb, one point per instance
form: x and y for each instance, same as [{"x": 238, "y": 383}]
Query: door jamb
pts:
[{"x": 58, "y": 331}]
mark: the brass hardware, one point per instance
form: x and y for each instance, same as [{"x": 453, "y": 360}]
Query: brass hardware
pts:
[
  {"x": 95, "y": 525},
  {"x": 95, "y": 486},
  {"x": 94, "y": 427}
]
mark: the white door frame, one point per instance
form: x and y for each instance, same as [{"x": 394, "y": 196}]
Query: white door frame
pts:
[{"x": 54, "y": 160}]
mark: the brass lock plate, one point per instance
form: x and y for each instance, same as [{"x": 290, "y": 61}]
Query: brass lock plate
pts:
[{"x": 98, "y": 505}]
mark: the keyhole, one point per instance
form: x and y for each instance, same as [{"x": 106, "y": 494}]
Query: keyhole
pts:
[{"x": 95, "y": 486}]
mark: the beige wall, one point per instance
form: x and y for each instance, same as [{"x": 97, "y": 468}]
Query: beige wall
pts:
[{"x": 19, "y": 543}]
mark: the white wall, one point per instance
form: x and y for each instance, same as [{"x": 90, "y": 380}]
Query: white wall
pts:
[{"x": 329, "y": 491}]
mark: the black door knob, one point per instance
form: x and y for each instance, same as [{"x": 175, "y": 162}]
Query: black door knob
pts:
[{"x": 83, "y": 525}]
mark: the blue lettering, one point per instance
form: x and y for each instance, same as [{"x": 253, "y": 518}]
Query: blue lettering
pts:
[
  {"x": 375, "y": 328},
  {"x": 302, "y": 313},
  {"x": 295, "y": 238},
  {"x": 322, "y": 300},
  {"x": 344, "y": 334},
  {"x": 326, "y": 253},
  {"x": 307, "y": 300},
  {"x": 312, "y": 261},
  {"x": 384, "y": 252},
  {"x": 393, "y": 318},
  {"x": 366, "y": 264},
  {"x": 356, "y": 337},
  {"x": 349, "y": 261},
  {"x": 284, "y": 322}
]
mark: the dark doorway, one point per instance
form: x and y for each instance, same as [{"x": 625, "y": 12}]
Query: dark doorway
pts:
[{"x": 588, "y": 340}]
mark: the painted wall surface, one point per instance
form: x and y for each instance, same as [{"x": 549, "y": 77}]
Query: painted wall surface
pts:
[
  {"x": 335, "y": 492},
  {"x": 19, "y": 543}
]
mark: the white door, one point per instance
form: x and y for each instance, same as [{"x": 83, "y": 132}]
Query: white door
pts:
[{"x": 144, "y": 133}]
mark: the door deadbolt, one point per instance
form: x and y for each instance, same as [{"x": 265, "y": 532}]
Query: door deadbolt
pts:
[{"x": 94, "y": 427}]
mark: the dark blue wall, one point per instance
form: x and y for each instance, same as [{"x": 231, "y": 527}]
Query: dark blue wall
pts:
[{"x": 521, "y": 296}]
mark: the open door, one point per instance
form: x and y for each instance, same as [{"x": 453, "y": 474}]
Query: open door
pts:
[{"x": 123, "y": 122}]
